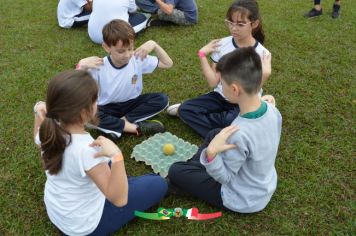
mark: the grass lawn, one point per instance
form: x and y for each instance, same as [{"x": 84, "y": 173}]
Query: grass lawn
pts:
[{"x": 313, "y": 80}]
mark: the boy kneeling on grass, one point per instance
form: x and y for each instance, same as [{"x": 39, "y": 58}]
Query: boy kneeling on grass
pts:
[
  {"x": 234, "y": 168},
  {"x": 121, "y": 105}
]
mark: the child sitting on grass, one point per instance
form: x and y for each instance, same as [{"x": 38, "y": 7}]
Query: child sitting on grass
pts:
[
  {"x": 73, "y": 13},
  {"x": 83, "y": 194},
  {"x": 121, "y": 106},
  {"x": 234, "y": 168}
]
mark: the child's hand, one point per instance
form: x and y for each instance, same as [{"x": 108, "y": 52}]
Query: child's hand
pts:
[
  {"x": 266, "y": 65},
  {"x": 269, "y": 99},
  {"x": 40, "y": 110},
  {"x": 218, "y": 144},
  {"x": 108, "y": 148},
  {"x": 90, "y": 63},
  {"x": 211, "y": 47},
  {"x": 145, "y": 49}
]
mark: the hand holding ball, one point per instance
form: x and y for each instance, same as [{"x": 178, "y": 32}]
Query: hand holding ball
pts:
[{"x": 168, "y": 149}]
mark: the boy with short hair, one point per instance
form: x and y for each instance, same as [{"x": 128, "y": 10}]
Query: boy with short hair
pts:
[
  {"x": 121, "y": 106},
  {"x": 234, "y": 169}
]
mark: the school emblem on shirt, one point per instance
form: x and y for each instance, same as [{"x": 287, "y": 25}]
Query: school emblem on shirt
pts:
[{"x": 134, "y": 79}]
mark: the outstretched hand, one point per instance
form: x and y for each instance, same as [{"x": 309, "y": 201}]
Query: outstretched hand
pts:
[
  {"x": 93, "y": 62},
  {"x": 108, "y": 148},
  {"x": 41, "y": 110},
  {"x": 212, "y": 46},
  {"x": 218, "y": 144},
  {"x": 146, "y": 48},
  {"x": 269, "y": 98},
  {"x": 266, "y": 64}
]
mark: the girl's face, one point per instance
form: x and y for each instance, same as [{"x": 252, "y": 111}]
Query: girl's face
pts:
[{"x": 240, "y": 27}]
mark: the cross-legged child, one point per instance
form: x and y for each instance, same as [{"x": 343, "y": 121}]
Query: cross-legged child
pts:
[
  {"x": 121, "y": 105},
  {"x": 105, "y": 11},
  {"x": 83, "y": 194},
  {"x": 73, "y": 13},
  {"x": 180, "y": 12},
  {"x": 234, "y": 168},
  {"x": 213, "y": 110}
]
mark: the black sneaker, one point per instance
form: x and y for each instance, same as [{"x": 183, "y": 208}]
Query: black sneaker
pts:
[
  {"x": 336, "y": 11},
  {"x": 313, "y": 13},
  {"x": 149, "y": 127},
  {"x": 113, "y": 137},
  {"x": 160, "y": 23}
]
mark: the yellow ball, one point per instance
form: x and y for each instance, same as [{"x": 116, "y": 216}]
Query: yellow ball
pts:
[{"x": 168, "y": 149}]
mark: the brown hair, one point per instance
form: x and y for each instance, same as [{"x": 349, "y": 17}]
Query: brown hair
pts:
[
  {"x": 117, "y": 30},
  {"x": 249, "y": 9},
  {"x": 68, "y": 94}
]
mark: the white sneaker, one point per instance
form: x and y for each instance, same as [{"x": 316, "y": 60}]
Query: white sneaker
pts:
[{"x": 173, "y": 110}]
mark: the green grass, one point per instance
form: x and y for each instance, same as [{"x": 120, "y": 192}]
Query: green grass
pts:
[{"x": 313, "y": 81}]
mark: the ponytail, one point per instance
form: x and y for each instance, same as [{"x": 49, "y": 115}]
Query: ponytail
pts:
[
  {"x": 68, "y": 94},
  {"x": 54, "y": 139},
  {"x": 259, "y": 34}
]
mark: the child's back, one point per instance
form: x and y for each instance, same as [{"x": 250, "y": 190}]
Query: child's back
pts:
[{"x": 253, "y": 160}]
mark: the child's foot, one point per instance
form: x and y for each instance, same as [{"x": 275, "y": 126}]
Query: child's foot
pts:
[
  {"x": 336, "y": 11},
  {"x": 173, "y": 110},
  {"x": 149, "y": 127},
  {"x": 313, "y": 13},
  {"x": 159, "y": 23}
]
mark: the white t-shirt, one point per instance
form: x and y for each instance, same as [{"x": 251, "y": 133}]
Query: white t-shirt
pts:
[
  {"x": 228, "y": 45},
  {"x": 67, "y": 10},
  {"x": 73, "y": 201},
  {"x": 124, "y": 83},
  {"x": 105, "y": 11}
]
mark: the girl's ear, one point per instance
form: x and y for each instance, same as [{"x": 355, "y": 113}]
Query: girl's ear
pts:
[
  {"x": 106, "y": 47},
  {"x": 255, "y": 24}
]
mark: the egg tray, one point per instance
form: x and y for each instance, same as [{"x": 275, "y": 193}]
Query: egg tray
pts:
[{"x": 151, "y": 152}]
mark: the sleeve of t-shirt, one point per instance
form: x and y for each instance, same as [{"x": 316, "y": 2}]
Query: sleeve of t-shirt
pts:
[
  {"x": 132, "y": 6},
  {"x": 88, "y": 161},
  {"x": 149, "y": 64},
  {"x": 215, "y": 57},
  {"x": 226, "y": 164},
  {"x": 94, "y": 73}
]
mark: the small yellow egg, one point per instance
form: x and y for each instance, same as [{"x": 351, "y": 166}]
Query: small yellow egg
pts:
[{"x": 168, "y": 149}]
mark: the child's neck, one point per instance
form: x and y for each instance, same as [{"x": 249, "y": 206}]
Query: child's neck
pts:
[
  {"x": 118, "y": 65},
  {"x": 249, "y": 103},
  {"x": 245, "y": 42},
  {"x": 75, "y": 129}
]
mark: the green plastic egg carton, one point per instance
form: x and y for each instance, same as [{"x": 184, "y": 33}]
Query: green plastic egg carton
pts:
[{"x": 150, "y": 151}]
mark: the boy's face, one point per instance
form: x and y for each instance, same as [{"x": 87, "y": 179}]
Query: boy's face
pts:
[{"x": 120, "y": 54}]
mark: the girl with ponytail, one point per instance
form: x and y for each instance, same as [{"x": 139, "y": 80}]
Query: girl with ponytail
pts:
[{"x": 83, "y": 194}]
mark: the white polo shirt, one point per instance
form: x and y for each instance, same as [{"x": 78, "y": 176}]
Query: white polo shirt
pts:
[
  {"x": 123, "y": 83},
  {"x": 67, "y": 10},
  {"x": 228, "y": 45}
]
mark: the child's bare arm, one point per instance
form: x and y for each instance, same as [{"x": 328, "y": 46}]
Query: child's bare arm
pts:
[
  {"x": 40, "y": 114},
  {"x": 209, "y": 70},
  {"x": 266, "y": 66},
  {"x": 165, "y": 61},
  {"x": 166, "y": 8}
]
